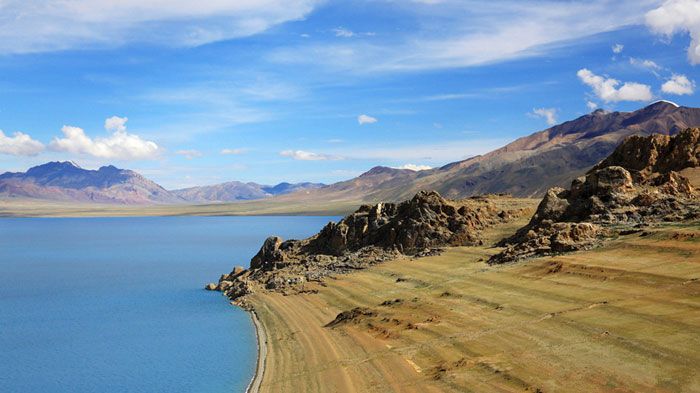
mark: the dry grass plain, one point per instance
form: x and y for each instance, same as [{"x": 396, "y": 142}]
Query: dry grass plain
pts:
[
  {"x": 622, "y": 318},
  {"x": 259, "y": 207}
]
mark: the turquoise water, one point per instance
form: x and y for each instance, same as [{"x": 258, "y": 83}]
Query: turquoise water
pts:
[{"x": 117, "y": 305}]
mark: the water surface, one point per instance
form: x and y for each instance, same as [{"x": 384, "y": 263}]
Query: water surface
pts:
[{"x": 116, "y": 304}]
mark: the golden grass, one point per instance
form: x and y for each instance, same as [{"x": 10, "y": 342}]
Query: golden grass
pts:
[{"x": 623, "y": 318}]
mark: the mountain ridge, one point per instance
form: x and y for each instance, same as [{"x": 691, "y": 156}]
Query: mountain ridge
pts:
[{"x": 66, "y": 181}]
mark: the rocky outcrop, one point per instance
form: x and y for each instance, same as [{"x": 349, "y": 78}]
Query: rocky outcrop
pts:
[
  {"x": 636, "y": 185},
  {"x": 373, "y": 234}
]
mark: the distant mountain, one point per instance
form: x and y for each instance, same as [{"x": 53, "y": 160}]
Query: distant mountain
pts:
[
  {"x": 526, "y": 167},
  {"x": 237, "y": 191},
  {"x": 66, "y": 181}
]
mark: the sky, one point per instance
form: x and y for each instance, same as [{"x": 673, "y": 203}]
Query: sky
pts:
[{"x": 197, "y": 93}]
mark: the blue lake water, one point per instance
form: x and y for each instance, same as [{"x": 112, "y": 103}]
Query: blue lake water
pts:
[{"x": 117, "y": 305}]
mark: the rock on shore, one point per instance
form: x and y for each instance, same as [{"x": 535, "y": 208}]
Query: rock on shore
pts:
[
  {"x": 637, "y": 184},
  {"x": 373, "y": 234}
]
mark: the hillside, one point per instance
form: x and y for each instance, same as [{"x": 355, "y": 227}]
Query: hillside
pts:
[
  {"x": 238, "y": 191},
  {"x": 66, "y": 181},
  {"x": 527, "y": 167}
]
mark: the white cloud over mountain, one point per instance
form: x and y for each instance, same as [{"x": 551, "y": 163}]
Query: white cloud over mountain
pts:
[
  {"x": 679, "y": 85},
  {"x": 549, "y": 114},
  {"x": 19, "y": 145},
  {"x": 678, "y": 17},
  {"x": 120, "y": 145},
  {"x": 414, "y": 167},
  {"x": 607, "y": 88}
]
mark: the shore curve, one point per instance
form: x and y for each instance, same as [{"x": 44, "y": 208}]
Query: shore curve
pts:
[{"x": 254, "y": 385}]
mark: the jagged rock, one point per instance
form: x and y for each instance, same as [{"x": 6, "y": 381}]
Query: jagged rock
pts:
[
  {"x": 210, "y": 287},
  {"x": 268, "y": 254},
  {"x": 656, "y": 153},
  {"x": 569, "y": 220},
  {"x": 373, "y": 234},
  {"x": 237, "y": 271}
]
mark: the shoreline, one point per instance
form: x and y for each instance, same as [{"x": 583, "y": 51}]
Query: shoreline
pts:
[{"x": 254, "y": 385}]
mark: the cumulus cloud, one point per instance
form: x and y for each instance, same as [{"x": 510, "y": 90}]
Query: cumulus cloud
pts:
[
  {"x": 48, "y": 25},
  {"x": 414, "y": 167},
  {"x": 116, "y": 123},
  {"x": 679, "y": 85},
  {"x": 364, "y": 119},
  {"x": 120, "y": 145},
  {"x": 233, "y": 151},
  {"x": 617, "y": 48},
  {"x": 591, "y": 105},
  {"x": 550, "y": 114},
  {"x": 606, "y": 88},
  {"x": 678, "y": 16},
  {"x": 300, "y": 155},
  {"x": 19, "y": 145}
]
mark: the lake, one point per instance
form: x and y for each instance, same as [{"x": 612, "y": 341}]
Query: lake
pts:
[{"x": 117, "y": 305}]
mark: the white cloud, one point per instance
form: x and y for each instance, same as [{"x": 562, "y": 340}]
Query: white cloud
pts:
[
  {"x": 119, "y": 146},
  {"x": 341, "y": 32},
  {"x": 606, "y": 88},
  {"x": 591, "y": 105},
  {"x": 300, "y": 155},
  {"x": 364, "y": 119},
  {"x": 414, "y": 167},
  {"x": 495, "y": 32},
  {"x": 233, "y": 151},
  {"x": 678, "y": 16},
  {"x": 645, "y": 63},
  {"x": 189, "y": 154},
  {"x": 47, "y": 25},
  {"x": 335, "y": 140},
  {"x": 116, "y": 123},
  {"x": 617, "y": 48},
  {"x": 19, "y": 145},
  {"x": 679, "y": 85},
  {"x": 550, "y": 114}
]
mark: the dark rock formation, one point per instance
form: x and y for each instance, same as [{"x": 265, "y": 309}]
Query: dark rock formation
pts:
[
  {"x": 371, "y": 235},
  {"x": 637, "y": 184}
]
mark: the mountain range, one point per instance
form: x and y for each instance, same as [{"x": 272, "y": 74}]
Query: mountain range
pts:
[
  {"x": 527, "y": 167},
  {"x": 66, "y": 181}
]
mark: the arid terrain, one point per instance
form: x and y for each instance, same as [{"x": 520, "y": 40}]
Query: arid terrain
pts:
[
  {"x": 597, "y": 291},
  {"x": 622, "y": 318}
]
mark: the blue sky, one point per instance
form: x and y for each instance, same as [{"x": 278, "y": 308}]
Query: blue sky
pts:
[{"x": 310, "y": 90}]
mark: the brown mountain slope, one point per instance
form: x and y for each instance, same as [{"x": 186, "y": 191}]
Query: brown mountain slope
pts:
[
  {"x": 527, "y": 167},
  {"x": 66, "y": 181}
]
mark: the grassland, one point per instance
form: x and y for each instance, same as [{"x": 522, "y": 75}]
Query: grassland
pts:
[{"x": 622, "y": 318}]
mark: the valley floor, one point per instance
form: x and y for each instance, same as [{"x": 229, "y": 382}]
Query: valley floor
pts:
[
  {"x": 258, "y": 207},
  {"x": 622, "y": 318}
]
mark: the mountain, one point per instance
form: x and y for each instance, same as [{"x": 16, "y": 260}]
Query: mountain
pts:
[
  {"x": 237, "y": 191},
  {"x": 527, "y": 167},
  {"x": 66, "y": 181}
]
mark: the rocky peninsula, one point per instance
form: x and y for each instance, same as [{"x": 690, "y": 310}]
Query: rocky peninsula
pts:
[{"x": 419, "y": 227}]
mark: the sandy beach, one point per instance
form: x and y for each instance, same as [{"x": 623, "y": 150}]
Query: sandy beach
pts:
[{"x": 254, "y": 385}]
